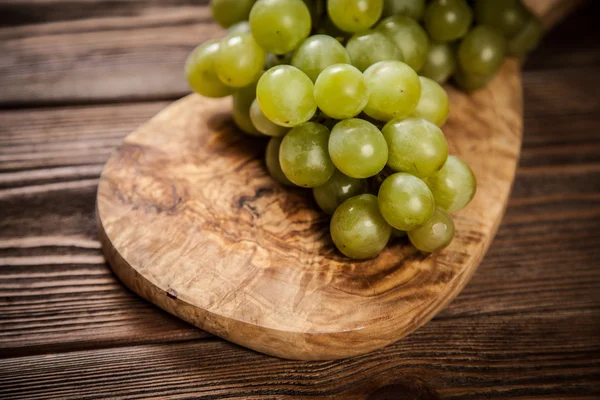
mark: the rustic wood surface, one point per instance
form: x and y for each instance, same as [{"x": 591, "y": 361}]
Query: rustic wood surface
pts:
[{"x": 527, "y": 325}]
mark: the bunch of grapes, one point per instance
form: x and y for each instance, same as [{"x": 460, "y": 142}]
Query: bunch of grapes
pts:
[{"x": 334, "y": 84}]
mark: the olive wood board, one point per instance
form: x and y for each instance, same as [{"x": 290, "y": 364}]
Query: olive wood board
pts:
[{"x": 190, "y": 220}]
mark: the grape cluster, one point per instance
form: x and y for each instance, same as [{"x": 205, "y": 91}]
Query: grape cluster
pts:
[{"x": 334, "y": 84}]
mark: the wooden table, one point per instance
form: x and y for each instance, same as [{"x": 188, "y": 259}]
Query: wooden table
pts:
[{"x": 76, "y": 77}]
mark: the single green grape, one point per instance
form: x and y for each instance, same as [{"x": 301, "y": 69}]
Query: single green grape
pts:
[
  {"x": 409, "y": 8},
  {"x": 368, "y": 47},
  {"x": 440, "y": 63},
  {"x": 354, "y": 15},
  {"x": 505, "y": 16},
  {"x": 448, "y": 20},
  {"x": 416, "y": 146},
  {"x": 338, "y": 189},
  {"x": 357, "y": 228},
  {"x": 433, "y": 104},
  {"x": 410, "y": 38},
  {"x": 263, "y": 124},
  {"x": 240, "y": 60},
  {"x": 527, "y": 39},
  {"x": 357, "y": 148},
  {"x": 201, "y": 74},
  {"x": 230, "y": 12},
  {"x": 394, "y": 90},
  {"x": 286, "y": 96},
  {"x": 242, "y": 101},
  {"x": 317, "y": 53},
  {"x": 272, "y": 161},
  {"x": 482, "y": 51},
  {"x": 453, "y": 186},
  {"x": 279, "y": 26},
  {"x": 274, "y": 60},
  {"x": 405, "y": 201},
  {"x": 471, "y": 82},
  {"x": 239, "y": 28},
  {"x": 304, "y": 157},
  {"x": 341, "y": 91},
  {"x": 436, "y": 234}
]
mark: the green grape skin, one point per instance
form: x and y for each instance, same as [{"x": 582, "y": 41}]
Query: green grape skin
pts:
[
  {"x": 317, "y": 53},
  {"x": 527, "y": 39},
  {"x": 369, "y": 47},
  {"x": 240, "y": 60},
  {"x": 394, "y": 90},
  {"x": 405, "y": 201},
  {"x": 471, "y": 82},
  {"x": 279, "y": 26},
  {"x": 341, "y": 91},
  {"x": 357, "y": 228},
  {"x": 336, "y": 190},
  {"x": 436, "y": 234},
  {"x": 304, "y": 157},
  {"x": 272, "y": 161},
  {"x": 447, "y": 20},
  {"x": 410, "y": 8},
  {"x": 415, "y": 146},
  {"x": 410, "y": 38},
  {"x": 482, "y": 51},
  {"x": 201, "y": 73},
  {"x": 230, "y": 12},
  {"x": 263, "y": 124},
  {"x": 508, "y": 17},
  {"x": 440, "y": 63},
  {"x": 286, "y": 96},
  {"x": 242, "y": 101},
  {"x": 434, "y": 105},
  {"x": 354, "y": 16},
  {"x": 239, "y": 28},
  {"x": 453, "y": 186},
  {"x": 357, "y": 148},
  {"x": 274, "y": 60}
]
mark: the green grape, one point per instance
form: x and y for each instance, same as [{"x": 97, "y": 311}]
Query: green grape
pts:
[
  {"x": 448, "y": 20},
  {"x": 415, "y": 146},
  {"x": 286, "y": 96},
  {"x": 405, "y": 201},
  {"x": 482, "y": 51},
  {"x": 527, "y": 39},
  {"x": 338, "y": 189},
  {"x": 317, "y": 53},
  {"x": 409, "y": 8},
  {"x": 394, "y": 89},
  {"x": 341, "y": 91},
  {"x": 471, "y": 82},
  {"x": 240, "y": 60},
  {"x": 357, "y": 148},
  {"x": 368, "y": 47},
  {"x": 505, "y": 16},
  {"x": 274, "y": 60},
  {"x": 433, "y": 104},
  {"x": 357, "y": 228},
  {"x": 272, "y": 161},
  {"x": 453, "y": 186},
  {"x": 239, "y": 28},
  {"x": 436, "y": 234},
  {"x": 410, "y": 38},
  {"x": 263, "y": 124},
  {"x": 354, "y": 15},
  {"x": 440, "y": 63},
  {"x": 304, "y": 157},
  {"x": 242, "y": 101},
  {"x": 279, "y": 26},
  {"x": 229, "y": 12},
  {"x": 201, "y": 74}
]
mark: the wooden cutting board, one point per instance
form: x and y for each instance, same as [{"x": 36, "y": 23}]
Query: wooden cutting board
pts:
[{"x": 190, "y": 220}]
